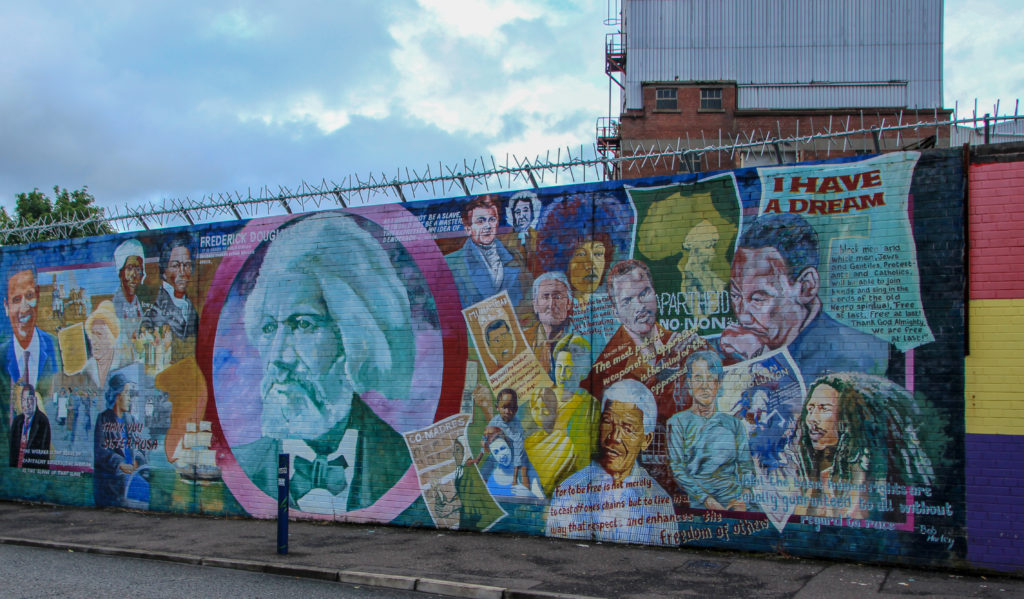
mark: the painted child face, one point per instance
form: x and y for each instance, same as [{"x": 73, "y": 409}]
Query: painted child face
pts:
[{"x": 507, "y": 407}]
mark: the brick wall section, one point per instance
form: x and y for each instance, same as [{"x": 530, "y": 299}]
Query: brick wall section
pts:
[
  {"x": 995, "y": 395},
  {"x": 996, "y": 194},
  {"x": 994, "y": 391},
  {"x": 994, "y": 495}
]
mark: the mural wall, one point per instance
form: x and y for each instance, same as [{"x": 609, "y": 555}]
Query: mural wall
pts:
[
  {"x": 994, "y": 393},
  {"x": 759, "y": 359}
]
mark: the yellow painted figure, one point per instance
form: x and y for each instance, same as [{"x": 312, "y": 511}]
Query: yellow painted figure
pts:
[{"x": 566, "y": 417}]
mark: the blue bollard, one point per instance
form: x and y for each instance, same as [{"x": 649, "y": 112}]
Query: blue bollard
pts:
[{"x": 283, "y": 477}]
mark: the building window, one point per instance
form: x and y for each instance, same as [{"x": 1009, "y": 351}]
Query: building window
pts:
[
  {"x": 710, "y": 98},
  {"x": 666, "y": 99}
]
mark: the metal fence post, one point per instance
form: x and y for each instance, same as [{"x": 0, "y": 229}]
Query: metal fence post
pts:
[{"x": 282, "y": 503}]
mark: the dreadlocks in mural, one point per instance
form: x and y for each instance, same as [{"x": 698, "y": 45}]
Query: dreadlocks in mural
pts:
[{"x": 860, "y": 441}]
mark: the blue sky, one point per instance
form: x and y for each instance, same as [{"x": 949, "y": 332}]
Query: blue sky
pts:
[{"x": 148, "y": 100}]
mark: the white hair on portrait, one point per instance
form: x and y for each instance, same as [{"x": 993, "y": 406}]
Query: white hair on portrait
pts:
[
  {"x": 636, "y": 393},
  {"x": 361, "y": 289},
  {"x": 520, "y": 196},
  {"x": 552, "y": 276}
]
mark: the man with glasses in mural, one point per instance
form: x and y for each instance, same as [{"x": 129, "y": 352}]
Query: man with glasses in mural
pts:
[
  {"x": 173, "y": 306},
  {"x": 501, "y": 343},
  {"x": 330, "y": 318}
]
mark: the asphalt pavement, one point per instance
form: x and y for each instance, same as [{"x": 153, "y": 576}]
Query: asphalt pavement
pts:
[
  {"x": 79, "y": 575},
  {"x": 488, "y": 566}
]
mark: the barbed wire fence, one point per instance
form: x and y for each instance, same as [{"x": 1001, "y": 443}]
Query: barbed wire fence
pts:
[{"x": 484, "y": 175}]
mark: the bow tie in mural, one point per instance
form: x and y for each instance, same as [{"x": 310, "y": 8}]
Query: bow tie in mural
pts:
[{"x": 318, "y": 474}]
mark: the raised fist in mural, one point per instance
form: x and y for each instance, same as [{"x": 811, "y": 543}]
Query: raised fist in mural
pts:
[{"x": 483, "y": 397}]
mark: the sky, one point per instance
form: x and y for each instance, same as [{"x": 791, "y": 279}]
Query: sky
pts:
[{"x": 143, "y": 101}]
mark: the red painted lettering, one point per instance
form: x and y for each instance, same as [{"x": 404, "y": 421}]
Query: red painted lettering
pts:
[
  {"x": 871, "y": 201},
  {"x": 872, "y": 179},
  {"x": 773, "y": 207},
  {"x": 851, "y": 182},
  {"x": 798, "y": 205},
  {"x": 798, "y": 183},
  {"x": 829, "y": 185},
  {"x": 818, "y": 207}
]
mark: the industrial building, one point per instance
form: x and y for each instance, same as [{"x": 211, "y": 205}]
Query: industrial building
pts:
[{"x": 697, "y": 73}]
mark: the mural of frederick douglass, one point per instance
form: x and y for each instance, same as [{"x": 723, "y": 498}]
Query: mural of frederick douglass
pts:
[{"x": 331, "y": 321}]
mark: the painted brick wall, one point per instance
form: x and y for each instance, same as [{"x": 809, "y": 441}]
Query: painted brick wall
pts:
[
  {"x": 751, "y": 359},
  {"x": 994, "y": 396}
]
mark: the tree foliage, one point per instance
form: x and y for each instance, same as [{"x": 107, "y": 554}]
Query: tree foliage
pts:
[{"x": 35, "y": 207}]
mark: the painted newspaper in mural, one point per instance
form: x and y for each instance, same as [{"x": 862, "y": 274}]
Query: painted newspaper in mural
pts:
[{"x": 734, "y": 359}]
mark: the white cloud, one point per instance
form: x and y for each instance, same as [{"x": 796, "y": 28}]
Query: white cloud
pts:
[
  {"x": 477, "y": 20},
  {"x": 494, "y": 69},
  {"x": 984, "y": 54},
  {"x": 307, "y": 109}
]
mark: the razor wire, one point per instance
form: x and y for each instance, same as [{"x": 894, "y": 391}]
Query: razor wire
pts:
[{"x": 567, "y": 165}]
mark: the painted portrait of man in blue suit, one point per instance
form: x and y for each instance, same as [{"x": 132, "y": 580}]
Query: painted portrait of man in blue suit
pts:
[
  {"x": 30, "y": 356},
  {"x": 483, "y": 266}
]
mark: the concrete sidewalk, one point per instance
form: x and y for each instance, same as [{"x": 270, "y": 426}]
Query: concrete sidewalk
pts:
[{"x": 473, "y": 564}]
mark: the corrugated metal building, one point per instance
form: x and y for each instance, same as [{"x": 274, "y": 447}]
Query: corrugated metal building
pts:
[{"x": 692, "y": 68}]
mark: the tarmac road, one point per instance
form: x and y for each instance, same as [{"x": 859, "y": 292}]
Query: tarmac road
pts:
[
  {"x": 29, "y": 572},
  {"x": 489, "y": 566}
]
